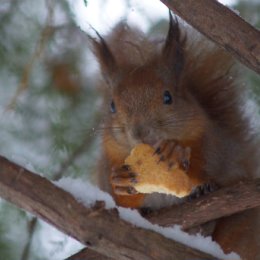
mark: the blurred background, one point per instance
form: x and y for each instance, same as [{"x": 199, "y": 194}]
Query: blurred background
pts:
[{"x": 49, "y": 104}]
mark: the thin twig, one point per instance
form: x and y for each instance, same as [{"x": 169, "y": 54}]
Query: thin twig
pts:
[
  {"x": 31, "y": 229},
  {"x": 40, "y": 46}
]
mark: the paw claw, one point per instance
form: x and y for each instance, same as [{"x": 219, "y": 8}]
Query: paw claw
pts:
[
  {"x": 126, "y": 167},
  {"x": 134, "y": 180},
  {"x": 185, "y": 165},
  {"x": 157, "y": 150},
  {"x": 131, "y": 190}
]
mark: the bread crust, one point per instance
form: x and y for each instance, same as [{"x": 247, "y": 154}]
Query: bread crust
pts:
[{"x": 154, "y": 176}]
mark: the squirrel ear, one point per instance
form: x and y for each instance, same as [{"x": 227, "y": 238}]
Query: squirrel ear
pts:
[
  {"x": 106, "y": 59},
  {"x": 173, "y": 47}
]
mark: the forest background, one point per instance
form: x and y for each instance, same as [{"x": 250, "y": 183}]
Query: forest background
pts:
[{"x": 49, "y": 103}]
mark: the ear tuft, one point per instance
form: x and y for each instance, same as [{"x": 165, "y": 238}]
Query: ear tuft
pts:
[
  {"x": 105, "y": 58},
  {"x": 174, "y": 33},
  {"x": 172, "y": 51}
]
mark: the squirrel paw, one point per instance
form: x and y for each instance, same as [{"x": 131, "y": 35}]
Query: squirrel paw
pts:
[
  {"x": 174, "y": 154},
  {"x": 202, "y": 190},
  {"x": 123, "y": 180}
]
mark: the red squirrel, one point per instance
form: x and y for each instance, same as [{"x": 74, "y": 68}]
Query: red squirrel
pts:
[{"x": 179, "y": 95}]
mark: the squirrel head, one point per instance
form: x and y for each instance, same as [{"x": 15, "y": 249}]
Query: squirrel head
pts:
[{"x": 144, "y": 78}]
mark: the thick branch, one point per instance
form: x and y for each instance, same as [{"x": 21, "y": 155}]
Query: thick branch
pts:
[
  {"x": 221, "y": 203},
  {"x": 224, "y": 202},
  {"x": 98, "y": 228},
  {"x": 223, "y": 26}
]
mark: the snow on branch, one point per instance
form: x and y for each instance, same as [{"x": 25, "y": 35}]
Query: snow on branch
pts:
[
  {"x": 223, "y": 26},
  {"x": 224, "y": 202},
  {"x": 100, "y": 229}
]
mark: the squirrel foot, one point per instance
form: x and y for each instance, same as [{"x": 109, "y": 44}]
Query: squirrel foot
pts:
[
  {"x": 123, "y": 180},
  {"x": 174, "y": 154}
]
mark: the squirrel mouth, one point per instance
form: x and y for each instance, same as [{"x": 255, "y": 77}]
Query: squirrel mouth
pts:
[
  {"x": 152, "y": 142},
  {"x": 146, "y": 140},
  {"x": 146, "y": 137}
]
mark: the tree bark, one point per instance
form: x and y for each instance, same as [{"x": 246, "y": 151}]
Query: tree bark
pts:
[
  {"x": 222, "y": 26},
  {"x": 102, "y": 230}
]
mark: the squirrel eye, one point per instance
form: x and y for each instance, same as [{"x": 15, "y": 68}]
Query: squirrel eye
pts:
[
  {"x": 167, "y": 98},
  {"x": 113, "y": 107}
]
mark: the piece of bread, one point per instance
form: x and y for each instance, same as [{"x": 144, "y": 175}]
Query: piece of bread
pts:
[{"x": 156, "y": 177}]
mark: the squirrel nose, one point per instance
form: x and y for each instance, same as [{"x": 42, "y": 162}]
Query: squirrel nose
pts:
[{"x": 140, "y": 132}]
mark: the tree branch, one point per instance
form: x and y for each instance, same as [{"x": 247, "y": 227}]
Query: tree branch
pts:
[
  {"x": 222, "y": 26},
  {"x": 91, "y": 227},
  {"x": 221, "y": 203}
]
